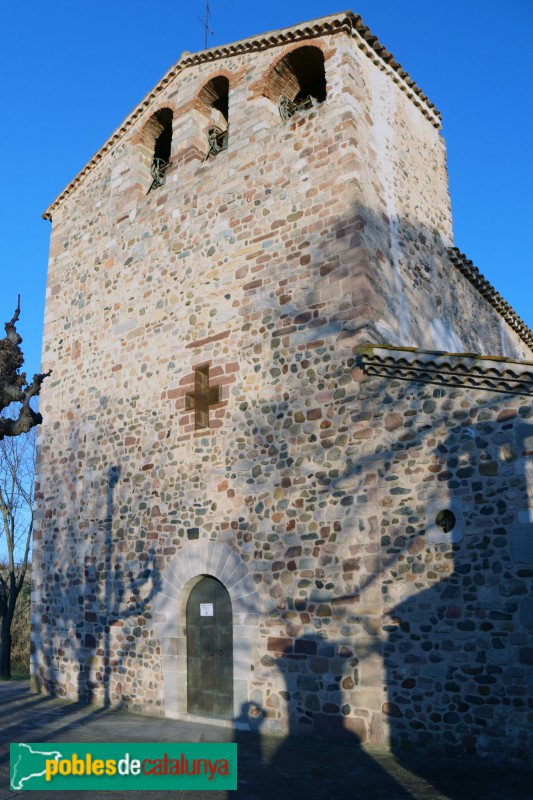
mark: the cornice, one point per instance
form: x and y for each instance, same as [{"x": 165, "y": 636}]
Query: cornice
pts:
[{"x": 466, "y": 370}]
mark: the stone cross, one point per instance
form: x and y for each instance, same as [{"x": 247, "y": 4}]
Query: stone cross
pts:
[{"x": 202, "y": 397}]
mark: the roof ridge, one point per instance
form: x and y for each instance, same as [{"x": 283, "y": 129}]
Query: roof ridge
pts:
[
  {"x": 487, "y": 290},
  {"x": 368, "y": 37}
]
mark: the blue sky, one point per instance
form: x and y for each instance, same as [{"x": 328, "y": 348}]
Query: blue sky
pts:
[{"x": 72, "y": 71}]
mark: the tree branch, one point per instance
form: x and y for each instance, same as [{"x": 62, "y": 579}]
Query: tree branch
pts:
[
  {"x": 13, "y": 385},
  {"x": 24, "y": 567}
]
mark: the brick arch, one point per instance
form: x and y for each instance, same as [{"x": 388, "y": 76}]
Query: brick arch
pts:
[
  {"x": 212, "y": 101},
  {"x": 194, "y": 561},
  {"x": 275, "y": 79},
  {"x": 147, "y": 128},
  {"x": 201, "y": 100}
]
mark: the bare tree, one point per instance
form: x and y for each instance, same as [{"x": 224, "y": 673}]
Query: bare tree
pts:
[
  {"x": 17, "y": 465},
  {"x": 15, "y": 391},
  {"x": 17, "y": 469}
]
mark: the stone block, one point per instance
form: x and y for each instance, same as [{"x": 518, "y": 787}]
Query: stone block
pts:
[
  {"x": 521, "y": 542},
  {"x": 526, "y": 613}
]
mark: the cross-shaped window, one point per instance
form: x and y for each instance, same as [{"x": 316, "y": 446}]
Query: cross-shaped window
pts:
[{"x": 202, "y": 397}]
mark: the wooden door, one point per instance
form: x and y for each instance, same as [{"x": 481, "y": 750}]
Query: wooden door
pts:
[{"x": 209, "y": 650}]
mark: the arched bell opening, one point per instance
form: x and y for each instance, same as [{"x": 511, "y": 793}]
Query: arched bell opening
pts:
[
  {"x": 297, "y": 82},
  {"x": 156, "y": 145},
  {"x": 213, "y": 103}
]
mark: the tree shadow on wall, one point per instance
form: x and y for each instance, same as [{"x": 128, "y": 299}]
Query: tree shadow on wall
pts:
[
  {"x": 467, "y": 468},
  {"x": 115, "y": 599},
  {"x": 321, "y": 754},
  {"x": 311, "y": 449},
  {"x": 103, "y": 595},
  {"x": 313, "y": 427},
  {"x": 456, "y": 664}
]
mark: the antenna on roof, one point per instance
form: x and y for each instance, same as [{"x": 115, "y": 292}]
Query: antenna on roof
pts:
[{"x": 206, "y": 23}]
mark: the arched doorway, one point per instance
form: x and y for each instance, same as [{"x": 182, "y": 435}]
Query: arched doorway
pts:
[{"x": 209, "y": 650}]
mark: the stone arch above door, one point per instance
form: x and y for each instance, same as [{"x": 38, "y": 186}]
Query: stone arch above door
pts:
[{"x": 186, "y": 568}]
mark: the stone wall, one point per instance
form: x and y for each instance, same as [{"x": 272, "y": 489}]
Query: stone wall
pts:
[
  {"x": 350, "y": 198},
  {"x": 356, "y": 611},
  {"x": 313, "y": 494}
]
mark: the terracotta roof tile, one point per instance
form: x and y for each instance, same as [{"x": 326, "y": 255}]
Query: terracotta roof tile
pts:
[
  {"x": 492, "y": 373},
  {"x": 487, "y": 290}
]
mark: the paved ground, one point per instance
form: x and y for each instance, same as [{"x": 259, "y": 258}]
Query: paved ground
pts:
[{"x": 269, "y": 768}]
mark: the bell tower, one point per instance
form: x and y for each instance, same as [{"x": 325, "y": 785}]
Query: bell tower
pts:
[{"x": 253, "y": 297}]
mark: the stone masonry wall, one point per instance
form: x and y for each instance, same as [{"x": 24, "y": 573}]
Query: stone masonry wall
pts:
[
  {"x": 370, "y": 617},
  {"x": 267, "y": 264}
]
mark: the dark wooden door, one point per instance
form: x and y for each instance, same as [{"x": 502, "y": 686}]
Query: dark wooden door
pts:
[{"x": 209, "y": 650}]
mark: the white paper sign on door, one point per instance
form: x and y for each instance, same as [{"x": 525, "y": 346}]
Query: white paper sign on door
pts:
[{"x": 206, "y": 609}]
